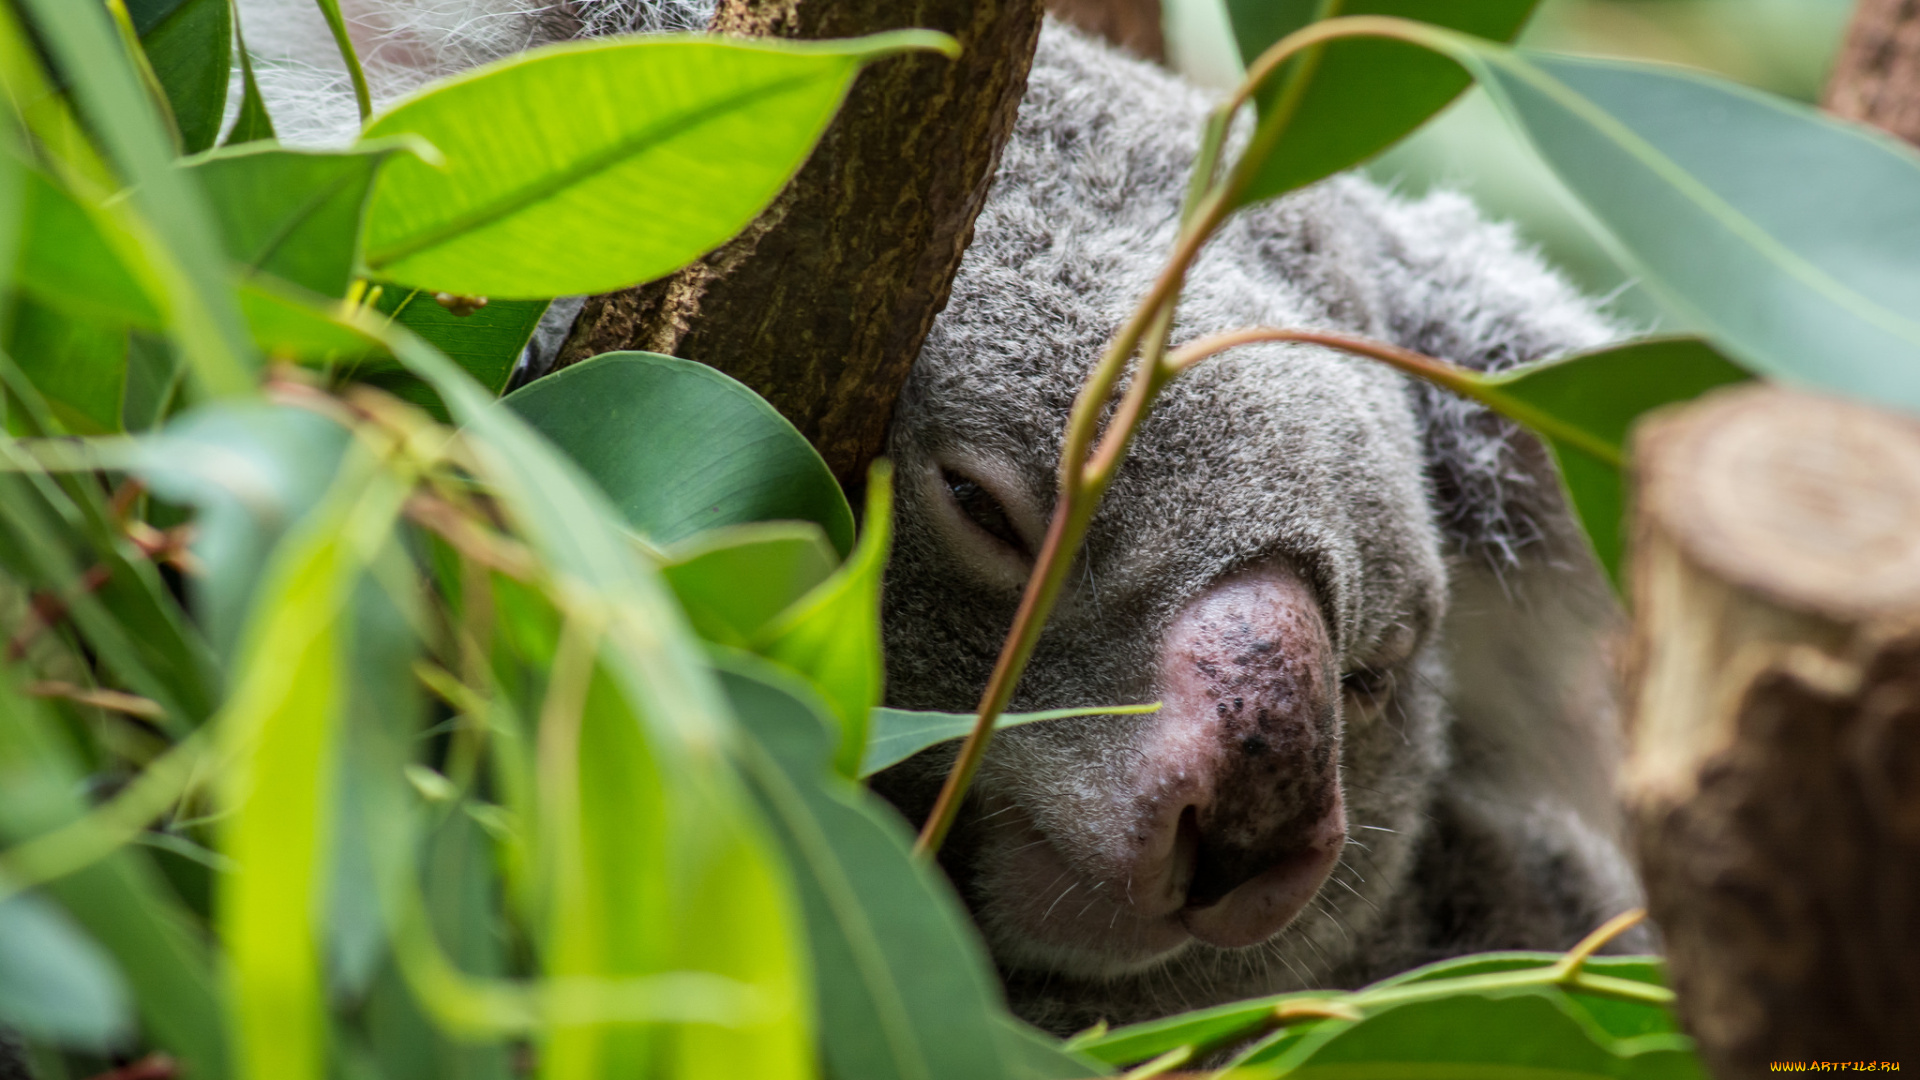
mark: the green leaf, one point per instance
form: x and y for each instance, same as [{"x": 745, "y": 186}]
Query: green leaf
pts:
[
  {"x": 291, "y": 213},
  {"x": 894, "y": 735},
  {"x": 288, "y": 322},
  {"x": 735, "y": 916},
  {"x": 1340, "y": 103},
  {"x": 733, "y": 580},
  {"x": 279, "y": 731},
  {"x": 1529, "y": 1035},
  {"x": 485, "y": 344},
  {"x": 55, "y": 983},
  {"x": 252, "y": 124},
  {"x": 80, "y": 367},
  {"x": 67, "y": 261},
  {"x": 1621, "y": 1019},
  {"x": 832, "y": 634},
  {"x": 201, "y": 310},
  {"x": 189, "y": 43},
  {"x": 604, "y": 163},
  {"x": 1585, "y": 404},
  {"x": 681, "y": 448},
  {"x": 904, "y": 987},
  {"x": 1785, "y": 234}
]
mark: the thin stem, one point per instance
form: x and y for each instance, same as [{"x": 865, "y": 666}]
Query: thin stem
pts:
[
  {"x": 1568, "y": 969},
  {"x": 1465, "y": 382},
  {"x": 361, "y": 97}
]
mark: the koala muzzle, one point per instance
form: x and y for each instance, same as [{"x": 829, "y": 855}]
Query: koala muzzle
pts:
[{"x": 1238, "y": 787}]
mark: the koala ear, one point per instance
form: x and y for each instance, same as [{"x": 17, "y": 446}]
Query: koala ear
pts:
[{"x": 1467, "y": 290}]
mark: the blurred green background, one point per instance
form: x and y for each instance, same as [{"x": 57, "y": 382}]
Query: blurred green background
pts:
[{"x": 1785, "y": 46}]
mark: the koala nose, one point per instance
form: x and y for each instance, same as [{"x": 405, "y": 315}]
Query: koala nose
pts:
[{"x": 1239, "y": 782}]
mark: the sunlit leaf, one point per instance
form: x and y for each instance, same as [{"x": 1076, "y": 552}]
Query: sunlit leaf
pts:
[
  {"x": 562, "y": 190},
  {"x": 681, "y": 448},
  {"x": 832, "y": 634},
  {"x": 733, "y": 580},
  {"x": 1342, "y": 102}
]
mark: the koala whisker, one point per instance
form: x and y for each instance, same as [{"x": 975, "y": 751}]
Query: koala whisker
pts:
[
  {"x": 1379, "y": 828},
  {"x": 1057, "y": 899}
]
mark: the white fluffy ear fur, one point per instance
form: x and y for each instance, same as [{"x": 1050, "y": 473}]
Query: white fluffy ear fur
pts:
[{"x": 403, "y": 44}]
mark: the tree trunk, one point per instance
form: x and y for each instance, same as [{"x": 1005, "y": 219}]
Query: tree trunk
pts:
[
  {"x": 1775, "y": 775},
  {"x": 1877, "y": 78},
  {"x": 1134, "y": 25},
  {"x": 822, "y": 304}
]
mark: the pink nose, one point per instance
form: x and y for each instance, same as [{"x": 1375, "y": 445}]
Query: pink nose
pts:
[{"x": 1239, "y": 784}]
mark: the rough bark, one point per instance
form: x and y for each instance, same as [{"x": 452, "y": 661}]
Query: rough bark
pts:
[
  {"x": 822, "y": 304},
  {"x": 1775, "y": 774},
  {"x": 1877, "y": 77},
  {"x": 1135, "y": 25}
]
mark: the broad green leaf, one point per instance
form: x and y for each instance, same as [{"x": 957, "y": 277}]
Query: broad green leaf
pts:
[
  {"x": 289, "y": 323},
  {"x": 67, "y": 261},
  {"x": 189, "y": 44},
  {"x": 279, "y": 732},
  {"x": 80, "y": 367},
  {"x": 1530, "y": 1034},
  {"x": 120, "y": 901},
  {"x": 603, "y": 163},
  {"x": 1584, "y": 406},
  {"x": 894, "y": 735},
  {"x": 904, "y": 987},
  {"x": 252, "y": 124},
  {"x": 486, "y": 343},
  {"x": 832, "y": 634},
  {"x": 1340, "y": 103},
  {"x": 1785, "y": 234},
  {"x": 681, "y": 448},
  {"x": 291, "y": 213},
  {"x": 733, "y": 580},
  {"x": 55, "y": 983},
  {"x": 185, "y": 253}
]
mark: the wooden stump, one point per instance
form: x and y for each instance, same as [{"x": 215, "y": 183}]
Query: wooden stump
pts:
[{"x": 1774, "y": 777}]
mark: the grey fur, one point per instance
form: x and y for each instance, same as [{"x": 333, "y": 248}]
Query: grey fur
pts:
[{"x": 1434, "y": 536}]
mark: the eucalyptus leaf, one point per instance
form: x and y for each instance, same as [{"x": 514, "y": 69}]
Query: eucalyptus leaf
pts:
[
  {"x": 1340, "y": 103},
  {"x": 733, "y": 580},
  {"x": 66, "y": 260},
  {"x": 291, "y": 213},
  {"x": 485, "y": 343},
  {"x": 603, "y": 163},
  {"x": 1585, "y": 404},
  {"x": 80, "y": 367},
  {"x": 56, "y": 984},
  {"x": 189, "y": 44},
  {"x": 681, "y": 448},
  {"x": 832, "y": 634},
  {"x": 905, "y": 988},
  {"x": 894, "y": 735},
  {"x": 1785, "y": 234}
]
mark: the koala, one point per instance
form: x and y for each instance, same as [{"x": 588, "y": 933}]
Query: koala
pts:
[{"x": 1383, "y": 651}]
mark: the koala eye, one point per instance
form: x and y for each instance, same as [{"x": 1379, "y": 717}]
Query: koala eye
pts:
[
  {"x": 1366, "y": 692},
  {"x": 981, "y": 508}
]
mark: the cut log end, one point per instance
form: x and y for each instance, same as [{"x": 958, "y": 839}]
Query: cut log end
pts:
[{"x": 1774, "y": 779}]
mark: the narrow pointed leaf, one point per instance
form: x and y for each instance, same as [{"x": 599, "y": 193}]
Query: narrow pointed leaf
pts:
[
  {"x": 894, "y": 735},
  {"x": 189, "y": 44}
]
